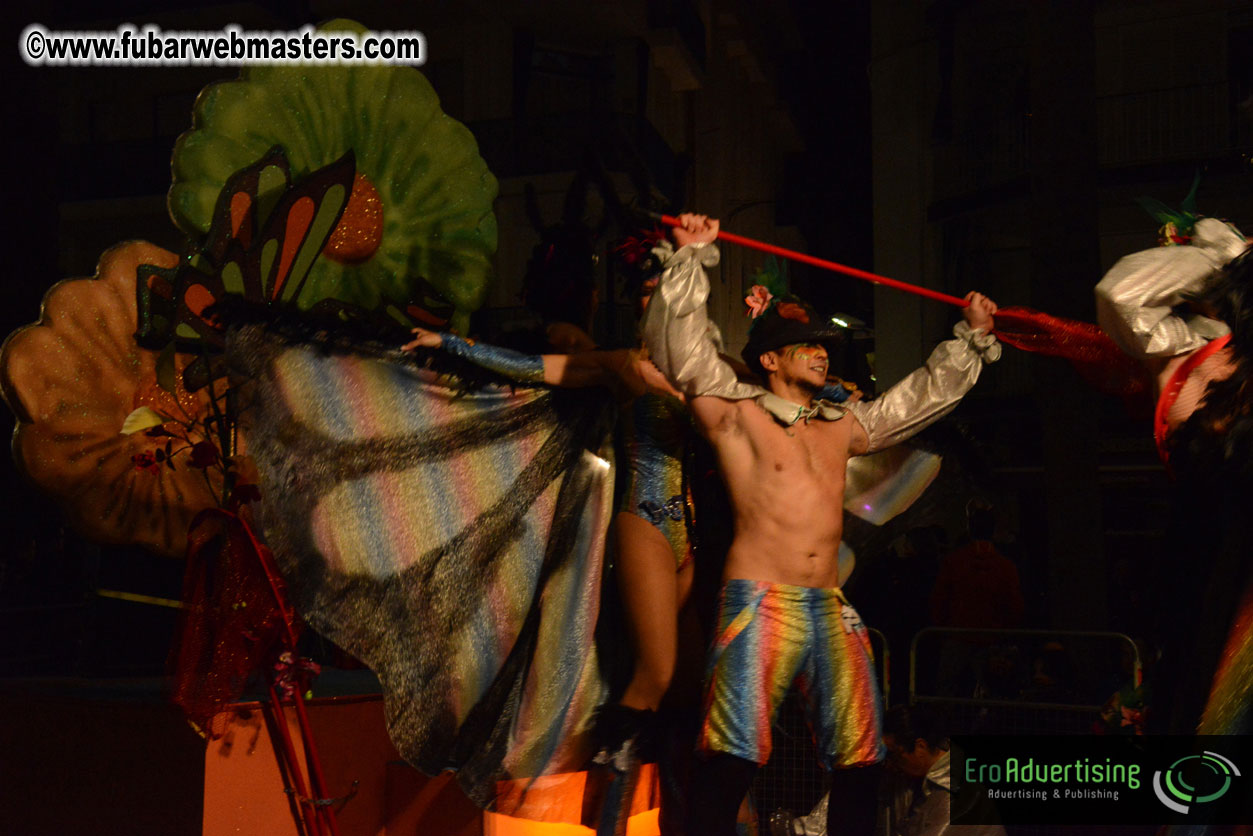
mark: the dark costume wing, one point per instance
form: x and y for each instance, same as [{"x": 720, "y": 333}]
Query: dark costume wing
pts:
[{"x": 451, "y": 540}]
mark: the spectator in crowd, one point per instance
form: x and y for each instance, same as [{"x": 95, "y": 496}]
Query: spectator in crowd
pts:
[
  {"x": 1052, "y": 675},
  {"x": 977, "y": 588},
  {"x": 1127, "y": 709},
  {"x": 921, "y": 800}
]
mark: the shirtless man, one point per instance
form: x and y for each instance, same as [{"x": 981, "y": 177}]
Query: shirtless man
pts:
[{"x": 782, "y": 617}]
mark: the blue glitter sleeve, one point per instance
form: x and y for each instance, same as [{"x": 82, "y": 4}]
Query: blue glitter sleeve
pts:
[{"x": 524, "y": 368}]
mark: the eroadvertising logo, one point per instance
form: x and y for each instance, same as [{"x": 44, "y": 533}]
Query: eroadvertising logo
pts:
[
  {"x": 1100, "y": 780},
  {"x": 1015, "y": 778},
  {"x": 1211, "y": 771}
]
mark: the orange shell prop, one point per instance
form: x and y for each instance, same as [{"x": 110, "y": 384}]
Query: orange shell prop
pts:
[{"x": 71, "y": 379}]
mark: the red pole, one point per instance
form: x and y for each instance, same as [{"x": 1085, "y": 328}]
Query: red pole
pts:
[
  {"x": 314, "y": 762},
  {"x": 321, "y": 812},
  {"x": 304, "y": 798},
  {"x": 732, "y": 238}
]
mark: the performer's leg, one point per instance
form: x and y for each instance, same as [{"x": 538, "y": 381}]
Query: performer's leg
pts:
[
  {"x": 652, "y": 593},
  {"x": 756, "y": 653},
  {"x": 843, "y": 705},
  {"x": 719, "y": 784}
]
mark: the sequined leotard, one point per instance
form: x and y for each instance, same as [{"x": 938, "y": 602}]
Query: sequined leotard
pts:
[{"x": 654, "y": 435}]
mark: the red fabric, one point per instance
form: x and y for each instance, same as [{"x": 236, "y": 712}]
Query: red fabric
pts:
[
  {"x": 1170, "y": 392},
  {"x": 234, "y": 615},
  {"x": 637, "y": 247},
  {"x": 1096, "y": 357}
]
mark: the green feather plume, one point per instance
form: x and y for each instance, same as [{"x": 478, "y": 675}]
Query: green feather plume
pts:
[
  {"x": 773, "y": 276},
  {"x": 1183, "y": 218}
]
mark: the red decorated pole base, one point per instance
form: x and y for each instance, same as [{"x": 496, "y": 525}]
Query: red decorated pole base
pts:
[{"x": 238, "y": 622}]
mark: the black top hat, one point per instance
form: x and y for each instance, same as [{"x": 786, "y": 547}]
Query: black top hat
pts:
[{"x": 788, "y": 321}]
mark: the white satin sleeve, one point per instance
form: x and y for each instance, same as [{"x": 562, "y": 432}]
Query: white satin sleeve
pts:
[
  {"x": 1134, "y": 301},
  {"x": 928, "y": 394},
  {"x": 681, "y": 340}
]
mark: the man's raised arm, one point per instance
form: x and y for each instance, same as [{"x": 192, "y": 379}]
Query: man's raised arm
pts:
[
  {"x": 681, "y": 340},
  {"x": 931, "y": 392}
]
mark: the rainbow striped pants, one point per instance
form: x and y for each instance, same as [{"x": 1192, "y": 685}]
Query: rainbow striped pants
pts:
[{"x": 771, "y": 636}]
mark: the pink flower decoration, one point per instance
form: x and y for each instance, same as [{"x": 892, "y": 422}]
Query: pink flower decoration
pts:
[
  {"x": 291, "y": 673},
  {"x": 758, "y": 300}
]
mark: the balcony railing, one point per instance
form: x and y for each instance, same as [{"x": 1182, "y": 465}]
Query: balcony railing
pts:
[
  {"x": 1183, "y": 123},
  {"x": 1164, "y": 125}
]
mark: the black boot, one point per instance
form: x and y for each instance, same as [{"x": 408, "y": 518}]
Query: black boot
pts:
[{"x": 619, "y": 736}]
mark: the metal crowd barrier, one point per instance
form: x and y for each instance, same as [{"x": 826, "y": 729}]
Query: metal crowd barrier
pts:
[{"x": 1020, "y": 681}]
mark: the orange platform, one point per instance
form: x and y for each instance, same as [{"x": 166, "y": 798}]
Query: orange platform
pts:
[
  {"x": 113, "y": 757},
  {"x": 244, "y": 791}
]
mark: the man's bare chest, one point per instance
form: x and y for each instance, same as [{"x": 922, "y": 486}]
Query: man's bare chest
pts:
[{"x": 814, "y": 447}]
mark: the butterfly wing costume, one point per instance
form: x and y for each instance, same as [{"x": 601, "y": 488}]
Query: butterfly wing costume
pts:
[{"x": 452, "y": 541}]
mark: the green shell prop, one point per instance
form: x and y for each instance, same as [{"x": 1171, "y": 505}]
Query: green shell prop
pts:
[{"x": 435, "y": 190}]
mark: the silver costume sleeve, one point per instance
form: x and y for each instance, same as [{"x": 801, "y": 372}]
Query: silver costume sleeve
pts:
[
  {"x": 928, "y": 394},
  {"x": 1135, "y": 299},
  {"x": 681, "y": 340}
]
